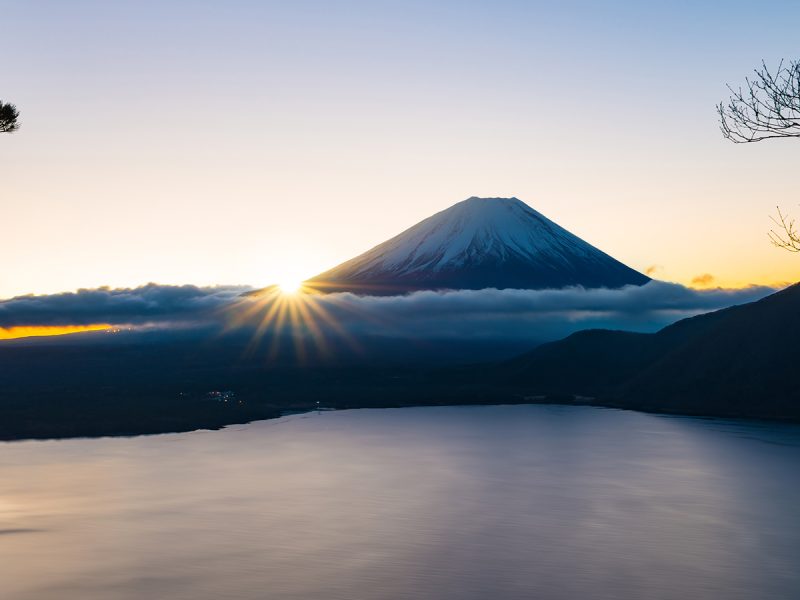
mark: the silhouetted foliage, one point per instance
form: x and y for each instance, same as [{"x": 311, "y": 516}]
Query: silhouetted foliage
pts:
[
  {"x": 9, "y": 117},
  {"x": 767, "y": 107}
]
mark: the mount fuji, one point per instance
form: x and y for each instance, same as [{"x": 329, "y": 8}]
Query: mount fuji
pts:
[{"x": 479, "y": 243}]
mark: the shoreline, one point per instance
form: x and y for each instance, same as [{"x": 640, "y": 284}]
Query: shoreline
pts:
[{"x": 272, "y": 412}]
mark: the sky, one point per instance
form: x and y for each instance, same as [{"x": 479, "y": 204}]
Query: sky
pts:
[{"x": 246, "y": 143}]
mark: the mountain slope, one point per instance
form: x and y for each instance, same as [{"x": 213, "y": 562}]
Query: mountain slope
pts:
[
  {"x": 475, "y": 244},
  {"x": 739, "y": 361},
  {"x": 745, "y": 364}
]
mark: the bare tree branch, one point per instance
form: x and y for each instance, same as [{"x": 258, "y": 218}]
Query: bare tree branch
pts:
[
  {"x": 767, "y": 107},
  {"x": 789, "y": 238}
]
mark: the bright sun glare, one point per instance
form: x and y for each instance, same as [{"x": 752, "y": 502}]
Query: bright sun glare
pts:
[{"x": 290, "y": 286}]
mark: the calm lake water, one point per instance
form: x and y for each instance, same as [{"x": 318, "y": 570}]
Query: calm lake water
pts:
[{"x": 496, "y": 502}]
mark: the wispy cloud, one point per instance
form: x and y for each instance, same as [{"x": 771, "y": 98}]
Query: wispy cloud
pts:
[
  {"x": 652, "y": 270},
  {"x": 703, "y": 280}
]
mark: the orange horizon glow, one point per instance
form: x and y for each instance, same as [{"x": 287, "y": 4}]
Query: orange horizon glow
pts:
[{"x": 26, "y": 331}]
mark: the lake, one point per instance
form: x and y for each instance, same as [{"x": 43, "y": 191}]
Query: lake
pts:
[{"x": 489, "y": 502}]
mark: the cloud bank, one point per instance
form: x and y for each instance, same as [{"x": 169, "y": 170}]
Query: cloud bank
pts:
[
  {"x": 540, "y": 314},
  {"x": 537, "y": 315},
  {"x": 150, "y": 304}
]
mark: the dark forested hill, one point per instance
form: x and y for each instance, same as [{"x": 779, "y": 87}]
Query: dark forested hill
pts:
[
  {"x": 740, "y": 361},
  {"x": 745, "y": 363}
]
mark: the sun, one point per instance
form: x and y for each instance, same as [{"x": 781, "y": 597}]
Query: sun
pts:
[{"x": 290, "y": 286}]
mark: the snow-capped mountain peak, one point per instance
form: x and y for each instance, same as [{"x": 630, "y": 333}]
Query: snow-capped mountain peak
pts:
[{"x": 480, "y": 243}]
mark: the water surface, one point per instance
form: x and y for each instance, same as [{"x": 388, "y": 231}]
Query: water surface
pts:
[{"x": 503, "y": 502}]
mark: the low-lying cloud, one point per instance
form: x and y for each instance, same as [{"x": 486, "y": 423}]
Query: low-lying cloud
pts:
[
  {"x": 538, "y": 315},
  {"x": 145, "y": 305},
  {"x": 543, "y": 314}
]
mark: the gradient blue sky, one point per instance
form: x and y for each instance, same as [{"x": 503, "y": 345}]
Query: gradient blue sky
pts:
[{"x": 248, "y": 142}]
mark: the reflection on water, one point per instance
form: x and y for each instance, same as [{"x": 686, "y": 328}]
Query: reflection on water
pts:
[{"x": 455, "y": 503}]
